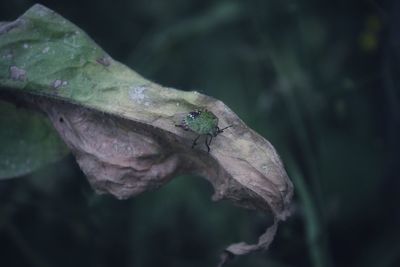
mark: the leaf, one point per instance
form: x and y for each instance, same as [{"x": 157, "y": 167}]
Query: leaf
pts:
[
  {"x": 28, "y": 141},
  {"x": 121, "y": 127}
]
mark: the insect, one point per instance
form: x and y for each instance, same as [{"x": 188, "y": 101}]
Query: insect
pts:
[{"x": 201, "y": 122}]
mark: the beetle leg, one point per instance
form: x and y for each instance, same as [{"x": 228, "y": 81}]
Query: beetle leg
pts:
[
  {"x": 208, "y": 142},
  {"x": 182, "y": 126},
  {"x": 211, "y": 138},
  {"x": 195, "y": 141}
]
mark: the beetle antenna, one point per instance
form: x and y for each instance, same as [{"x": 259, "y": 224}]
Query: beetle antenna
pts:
[{"x": 221, "y": 130}]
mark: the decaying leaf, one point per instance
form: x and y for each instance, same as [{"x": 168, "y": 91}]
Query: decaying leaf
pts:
[{"x": 121, "y": 127}]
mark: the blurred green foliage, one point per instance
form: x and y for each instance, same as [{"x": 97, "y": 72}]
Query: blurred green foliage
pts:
[
  {"x": 23, "y": 151},
  {"x": 318, "y": 79}
]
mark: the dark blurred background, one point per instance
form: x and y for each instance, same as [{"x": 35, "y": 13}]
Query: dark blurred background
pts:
[{"x": 319, "y": 79}]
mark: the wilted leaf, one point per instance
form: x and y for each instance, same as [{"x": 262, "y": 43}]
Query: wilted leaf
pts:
[{"x": 121, "y": 127}]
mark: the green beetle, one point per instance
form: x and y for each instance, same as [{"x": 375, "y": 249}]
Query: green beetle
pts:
[{"x": 201, "y": 122}]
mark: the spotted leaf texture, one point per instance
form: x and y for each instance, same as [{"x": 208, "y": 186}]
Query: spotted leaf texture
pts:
[{"x": 121, "y": 127}]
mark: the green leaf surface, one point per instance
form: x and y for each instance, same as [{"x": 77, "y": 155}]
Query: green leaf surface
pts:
[
  {"x": 121, "y": 127},
  {"x": 28, "y": 141}
]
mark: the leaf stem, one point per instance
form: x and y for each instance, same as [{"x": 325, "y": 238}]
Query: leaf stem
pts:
[{"x": 316, "y": 239}]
